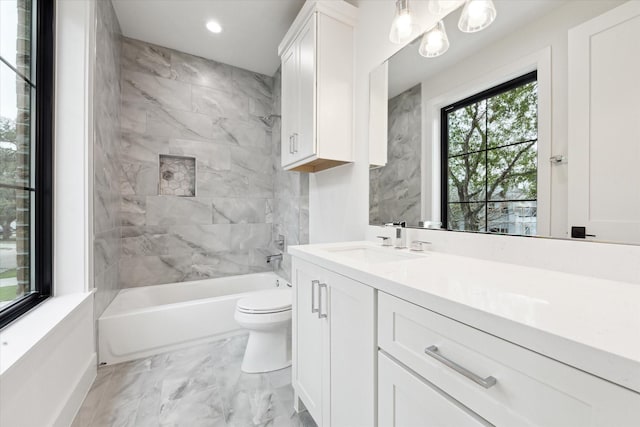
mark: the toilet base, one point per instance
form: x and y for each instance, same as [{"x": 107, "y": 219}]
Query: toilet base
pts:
[{"x": 267, "y": 351}]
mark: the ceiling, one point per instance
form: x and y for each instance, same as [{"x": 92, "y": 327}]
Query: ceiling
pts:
[
  {"x": 408, "y": 67},
  {"x": 252, "y": 29}
]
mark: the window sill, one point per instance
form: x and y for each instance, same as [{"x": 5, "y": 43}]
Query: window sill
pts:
[{"x": 17, "y": 339}]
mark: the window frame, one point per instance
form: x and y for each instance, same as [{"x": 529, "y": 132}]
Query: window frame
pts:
[
  {"x": 444, "y": 143},
  {"x": 42, "y": 225}
]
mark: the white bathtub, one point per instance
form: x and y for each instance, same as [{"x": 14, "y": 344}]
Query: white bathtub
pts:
[{"x": 149, "y": 320}]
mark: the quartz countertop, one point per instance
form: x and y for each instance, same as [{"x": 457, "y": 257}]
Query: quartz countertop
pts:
[{"x": 588, "y": 323}]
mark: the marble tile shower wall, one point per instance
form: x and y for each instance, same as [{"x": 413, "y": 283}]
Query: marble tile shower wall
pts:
[
  {"x": 106, "y": 203},
  {"x": 394, "y": 190},
  {"x": 178, "y": 104},
  {"x": 291, "y": 194}
]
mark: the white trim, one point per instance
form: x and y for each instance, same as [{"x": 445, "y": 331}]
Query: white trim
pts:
[
  {"x": 78, "y": 393},
  {"x": 540, "y": 61},
  {"x": 89, "y": 173},
  {"x": 50, "y": 353},
  {"x": 73, "y": 192}
]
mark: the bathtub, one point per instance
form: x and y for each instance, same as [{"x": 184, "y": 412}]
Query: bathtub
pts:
[{"x": 149, "y": 320}]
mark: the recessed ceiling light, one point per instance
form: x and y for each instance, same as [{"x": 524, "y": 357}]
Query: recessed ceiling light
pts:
[{"x": 214, "y": 27}]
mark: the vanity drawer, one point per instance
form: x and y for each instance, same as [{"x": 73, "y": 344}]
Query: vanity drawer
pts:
[{"x": 529, "y": 389}]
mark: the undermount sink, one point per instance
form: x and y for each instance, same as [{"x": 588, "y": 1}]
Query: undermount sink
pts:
[{"x": 372, "y": 255}]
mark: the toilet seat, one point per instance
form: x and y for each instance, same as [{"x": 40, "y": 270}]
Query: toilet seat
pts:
[{"x": 266, "y": 302}]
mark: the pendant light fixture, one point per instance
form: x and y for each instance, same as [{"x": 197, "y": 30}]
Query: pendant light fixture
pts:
[
  {"x": 434, "y": 42},
  {"x": 476, "y": 15},
  {"x": 402, "y": 27}
]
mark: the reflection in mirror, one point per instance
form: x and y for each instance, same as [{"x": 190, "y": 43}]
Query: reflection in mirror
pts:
[
  {"x": 402, "y": 170},
  {"x": 471, "y": 143},
  {"x": 489, "y": 162}
]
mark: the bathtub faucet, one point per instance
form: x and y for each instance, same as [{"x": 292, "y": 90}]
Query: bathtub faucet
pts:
[{"x": 277, "y": 257}]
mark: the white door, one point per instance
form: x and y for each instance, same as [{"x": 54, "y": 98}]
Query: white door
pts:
[
  {"x": 405, "y": 400},
  {"x": 289, "y": 102},
  {"x": 604, "y": 125},
  {"x": 351, "y": 314},
  {"x": 308, "y": 339},
  {"x": 304, "y": 138}
]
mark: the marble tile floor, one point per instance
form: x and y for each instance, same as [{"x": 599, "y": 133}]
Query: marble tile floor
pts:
[{"x": 196, "y": 386}]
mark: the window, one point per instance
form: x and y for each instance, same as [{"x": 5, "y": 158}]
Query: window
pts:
[
  {"x": 489, "y": 160},
  {"x": 26, "y": 137}
]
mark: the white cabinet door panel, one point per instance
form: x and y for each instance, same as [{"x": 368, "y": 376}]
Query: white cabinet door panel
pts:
[
  {"x": 304, "y": 139},
  {"x": 404, "y": 400},
  {"x": 309, "y": 343},
  {"x": 289, "y": 102},
  {"x": 604, "y": 125},
  {"x": 351, "y": 314}
]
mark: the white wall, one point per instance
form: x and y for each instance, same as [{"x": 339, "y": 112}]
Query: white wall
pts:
[
  {"x": 48, "y": 358},
  {"x": 339, "y": 197},
  {"x": 45, "y": 385}
]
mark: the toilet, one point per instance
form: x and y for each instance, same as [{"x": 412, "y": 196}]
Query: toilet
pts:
[{"x": 267, "y": 316}]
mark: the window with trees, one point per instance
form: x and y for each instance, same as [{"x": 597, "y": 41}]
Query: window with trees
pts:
[
  {"x": 26, "y": 136},
  {"x": 489, "y": 160}
]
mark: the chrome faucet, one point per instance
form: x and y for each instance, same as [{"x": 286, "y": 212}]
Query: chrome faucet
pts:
[
  {"x": 399, "y": 238},
  {"x": 277, "y": 257}
]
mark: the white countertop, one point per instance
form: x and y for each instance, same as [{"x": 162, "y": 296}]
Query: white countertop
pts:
[{"x": 591, "y": 324}]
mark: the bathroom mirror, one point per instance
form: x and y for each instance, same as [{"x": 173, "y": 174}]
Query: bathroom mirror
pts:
[{"x": 524, "y": 128}]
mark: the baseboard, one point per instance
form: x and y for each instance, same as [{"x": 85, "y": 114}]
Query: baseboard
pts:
[{"x": 78, "y": 393}]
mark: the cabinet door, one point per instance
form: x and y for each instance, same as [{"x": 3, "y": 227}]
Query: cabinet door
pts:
[
  {"x": 351, "y": 315},
  {"x": 405, "y": 400},
  {"x": 289, "y": 102},
  {"x": 604, "y": 65},
  {"x": 304, "y": 135},
  {"x": 308, "y": 340}
]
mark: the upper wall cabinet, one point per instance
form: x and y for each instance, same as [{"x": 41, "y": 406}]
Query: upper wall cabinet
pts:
[{"x": 317, "y": 87}]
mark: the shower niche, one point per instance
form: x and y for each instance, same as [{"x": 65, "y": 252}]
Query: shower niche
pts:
[{"x": 177, "y": 176}]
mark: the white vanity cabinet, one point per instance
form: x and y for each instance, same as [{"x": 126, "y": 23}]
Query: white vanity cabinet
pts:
[
  {"x": 317, "y": 87},
  {"x": 479, "y": 378},
  {"x": 385, "y": 344},
  {"x": 333, "y": 346}
]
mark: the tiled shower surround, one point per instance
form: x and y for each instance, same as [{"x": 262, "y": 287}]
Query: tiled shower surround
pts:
[
  {"x": 395, "y": 189},
  {"x": 180, "y": 105},
  {"x": 106, "y": 159}
]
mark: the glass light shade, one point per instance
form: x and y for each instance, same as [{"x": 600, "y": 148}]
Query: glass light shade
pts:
[
  {"x": 434, "y": 42},
  {"x": 402, "y": 28},
  {"x": 476, "y": 15}
]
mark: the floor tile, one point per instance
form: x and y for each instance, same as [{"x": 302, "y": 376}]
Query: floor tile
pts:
[{"x": 196, "y": 386}]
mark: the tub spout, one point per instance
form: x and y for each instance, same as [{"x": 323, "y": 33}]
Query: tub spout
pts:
[{"x": 277, "y": 257}]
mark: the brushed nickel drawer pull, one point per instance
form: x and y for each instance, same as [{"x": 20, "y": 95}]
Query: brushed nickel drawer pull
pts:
[
  {"x": 484, "y": 382},
  {"x": 314, "y": 283},
  {"x": 322, "y": 315}
]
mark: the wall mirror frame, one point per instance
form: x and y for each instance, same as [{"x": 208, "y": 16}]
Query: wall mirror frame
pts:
[{"x": 585, "y": 57}]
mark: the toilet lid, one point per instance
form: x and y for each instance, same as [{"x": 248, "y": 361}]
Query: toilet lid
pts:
[{"x": 267, "y": 301}]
